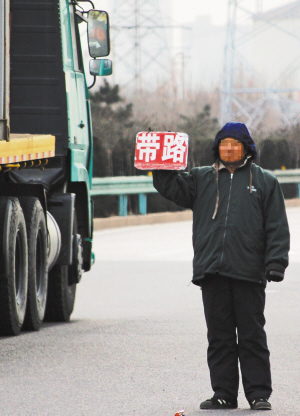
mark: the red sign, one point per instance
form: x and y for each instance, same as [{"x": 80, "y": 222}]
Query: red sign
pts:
[{"x": 161, "y": 150}]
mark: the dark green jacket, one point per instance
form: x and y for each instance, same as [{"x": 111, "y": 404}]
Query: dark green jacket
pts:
[{"x": 250, "y": 230}]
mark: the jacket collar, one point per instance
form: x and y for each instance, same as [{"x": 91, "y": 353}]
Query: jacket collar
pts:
[{"x": 222, "y": 166}]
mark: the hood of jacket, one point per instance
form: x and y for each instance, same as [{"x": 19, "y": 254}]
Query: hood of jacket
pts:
[{"x": 236, "y": 131}]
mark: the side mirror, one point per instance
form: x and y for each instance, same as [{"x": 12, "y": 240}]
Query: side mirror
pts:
[
  {"x": 100, "y": 67},
  {"x": 98, "y": 33}
]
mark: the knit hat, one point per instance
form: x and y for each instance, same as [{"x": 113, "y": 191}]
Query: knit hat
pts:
[{"x": 239, "y": 132}]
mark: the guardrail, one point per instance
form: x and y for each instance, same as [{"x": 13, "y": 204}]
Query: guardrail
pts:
[
  {"x": 123, "y": 186},
  {"x": 143, "y": 185}
]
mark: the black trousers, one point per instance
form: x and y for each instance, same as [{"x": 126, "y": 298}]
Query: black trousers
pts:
[{"x": 234, "y": 313}]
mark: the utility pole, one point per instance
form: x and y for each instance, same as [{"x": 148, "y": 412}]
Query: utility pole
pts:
[
  {"x": 226, "y": 103},
  {"x": 137, "y": 71},
  {"x": 259, "y": 6}
]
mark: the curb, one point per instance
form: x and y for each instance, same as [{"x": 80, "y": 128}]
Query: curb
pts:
[
  {"x": 131, "y": 220},
  {"x": 290, "y": 203},
  {"x": 160, "y": 218}
]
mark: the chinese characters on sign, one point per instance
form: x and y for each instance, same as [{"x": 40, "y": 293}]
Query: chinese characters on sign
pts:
[
  {"x": 161, "y": 150},
  {"x": 147, "y": 145}
]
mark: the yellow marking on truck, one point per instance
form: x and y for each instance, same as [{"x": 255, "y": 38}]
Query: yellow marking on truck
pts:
[{"x": 23, "y": 147}]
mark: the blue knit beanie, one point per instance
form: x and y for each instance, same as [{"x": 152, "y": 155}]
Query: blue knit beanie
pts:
[{"x": 239, "y": 132}]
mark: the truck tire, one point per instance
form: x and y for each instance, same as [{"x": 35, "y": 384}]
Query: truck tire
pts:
[
  {"x": 37, "y": 263},
  {"x": 13, "y": 266},
  {"x": 61, "y": 295},
  {"x": 62, "y": 288}
]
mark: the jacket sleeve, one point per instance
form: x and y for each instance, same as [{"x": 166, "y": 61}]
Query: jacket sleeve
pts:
[
  {"x": 177, "y": 187},
  {"x": 276, "y": 229}
]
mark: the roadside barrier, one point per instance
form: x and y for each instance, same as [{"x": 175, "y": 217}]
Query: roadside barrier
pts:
[{"x": 143, "y": 185}]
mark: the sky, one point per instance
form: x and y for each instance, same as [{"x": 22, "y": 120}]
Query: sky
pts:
[
  {"x": 217, "y": 9},
  {"x": 186, "y": 11}
]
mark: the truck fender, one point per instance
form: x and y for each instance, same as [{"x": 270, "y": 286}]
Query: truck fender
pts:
[
  {"x": 84, "y": 219},
  {"x": 62, "y": 207}
]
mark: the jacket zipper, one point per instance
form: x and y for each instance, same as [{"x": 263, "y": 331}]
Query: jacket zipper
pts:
[{"x": 226, "y": 218}]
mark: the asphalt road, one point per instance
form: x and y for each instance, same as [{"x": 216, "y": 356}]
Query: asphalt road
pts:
[{"x": 137, "y": 341}]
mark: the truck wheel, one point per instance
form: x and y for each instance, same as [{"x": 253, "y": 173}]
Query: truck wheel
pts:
[
  {"x": 14, "y": 266},
  {"x": 61, "y": 295},
  {"x": 62, "y": 284},
  {"x": 37, "y": 262}
]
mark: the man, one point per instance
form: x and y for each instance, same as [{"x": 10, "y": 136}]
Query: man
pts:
[{"x": 241, "y": 241}]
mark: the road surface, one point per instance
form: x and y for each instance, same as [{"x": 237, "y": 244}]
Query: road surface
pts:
[{"x": 137, "y": 341}]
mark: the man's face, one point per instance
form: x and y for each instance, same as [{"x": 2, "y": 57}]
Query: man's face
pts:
[{"x": 231, "y": 150}]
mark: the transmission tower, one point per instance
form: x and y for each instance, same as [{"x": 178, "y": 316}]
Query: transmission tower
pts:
[
  {"x": 140, "y": 44},
  {"x": 252, "y": 87}
]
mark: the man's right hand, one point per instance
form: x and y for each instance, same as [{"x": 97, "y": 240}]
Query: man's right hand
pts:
[{"x": 275, "y": 274}]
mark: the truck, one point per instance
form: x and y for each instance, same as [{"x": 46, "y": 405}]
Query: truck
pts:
[{"x": 46, "y": 155}]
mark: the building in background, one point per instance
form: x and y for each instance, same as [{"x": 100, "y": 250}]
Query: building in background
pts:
[
  {"x": 203, "y": 47},
  {"x": 276, "y": 47}
]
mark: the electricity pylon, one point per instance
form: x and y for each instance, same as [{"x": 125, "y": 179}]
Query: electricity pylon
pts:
[
  {"x": 141, "y": 52},
  {"x": 250, "y": 91}
]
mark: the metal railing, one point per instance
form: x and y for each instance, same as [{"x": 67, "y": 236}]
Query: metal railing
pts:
[
  {"x": 143, "y": 185},
  {"x": 124, "y": 186}
]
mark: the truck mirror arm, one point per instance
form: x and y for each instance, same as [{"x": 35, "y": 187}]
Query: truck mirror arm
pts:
[
  {"x": 91, "y": 86},
  {"x": 81, "y": 17},
  {"x": 85, "y": 1}
]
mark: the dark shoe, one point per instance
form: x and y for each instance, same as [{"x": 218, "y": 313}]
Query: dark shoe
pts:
[
  {"x": 215, "y": 403},
  {"x": 260, "y": 404}
]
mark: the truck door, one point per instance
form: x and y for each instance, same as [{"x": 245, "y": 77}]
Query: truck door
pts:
[
  {"x": 76, "y": 94},
  {"x": 81, "y": 140}
]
